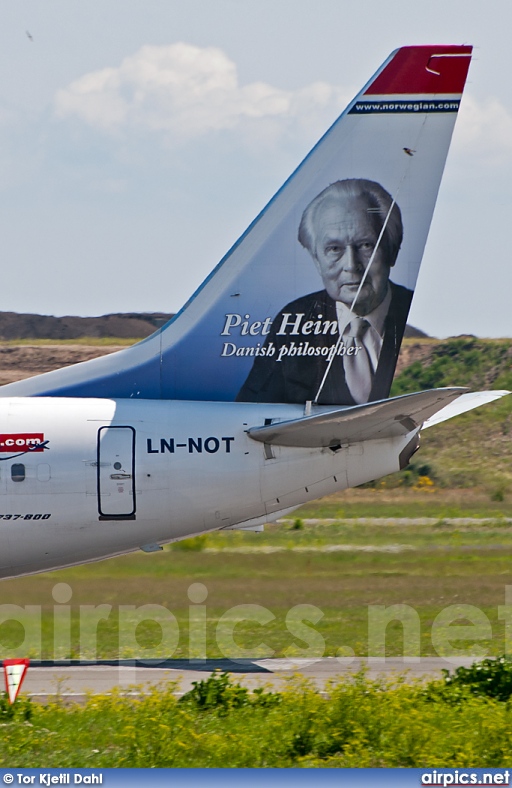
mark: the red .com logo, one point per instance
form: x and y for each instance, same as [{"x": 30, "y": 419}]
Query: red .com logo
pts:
[{"x": 21, "y": 441}]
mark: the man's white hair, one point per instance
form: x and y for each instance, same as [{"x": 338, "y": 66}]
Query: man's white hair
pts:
[{"x": 378, "y": 204}]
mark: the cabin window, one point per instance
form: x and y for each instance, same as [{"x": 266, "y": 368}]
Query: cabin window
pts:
[{"x": 18, "y": 472}]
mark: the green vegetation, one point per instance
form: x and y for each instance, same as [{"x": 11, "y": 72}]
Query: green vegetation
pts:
[
  {"x": 459, "y": 361},
  {"x": 341, "y": 569},
  {"x": 357, "y": 723},
  {"x": 490, "y": 678},
  {"x": 473, "y": 450},
  {"x": 392, "y": 498}
]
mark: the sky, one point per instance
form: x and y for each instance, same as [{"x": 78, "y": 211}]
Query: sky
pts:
[{"x": 139, "y": 138}]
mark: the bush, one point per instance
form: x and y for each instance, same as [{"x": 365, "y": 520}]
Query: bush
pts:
[
  {"x": 193, "y": 545},
  {"x": 220, "y": 693},
  {"x": 216, "y": 692},
  {"x": 498, "y": 494},
  {"x": 20, "y": 710},
  {"x": 491, "y": 678}
]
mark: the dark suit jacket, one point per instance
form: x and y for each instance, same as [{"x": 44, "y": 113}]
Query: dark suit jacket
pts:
[{"x": 297, "y": 378}]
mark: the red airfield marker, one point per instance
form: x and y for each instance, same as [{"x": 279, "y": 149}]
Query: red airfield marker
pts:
[{"x": 14, "y": 672}]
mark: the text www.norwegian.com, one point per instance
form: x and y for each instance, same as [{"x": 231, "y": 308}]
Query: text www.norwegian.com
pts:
[{"x": 453, "y": 778}]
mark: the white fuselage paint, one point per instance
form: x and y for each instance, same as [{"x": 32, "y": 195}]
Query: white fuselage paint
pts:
[{"x": 195, "y": 470}]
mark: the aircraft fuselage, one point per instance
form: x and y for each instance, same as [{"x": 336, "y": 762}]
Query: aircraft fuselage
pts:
[{"x": 85, "y": 479}]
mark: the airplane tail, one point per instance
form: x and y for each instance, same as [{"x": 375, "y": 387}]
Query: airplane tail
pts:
[{"x": 310, "y": 304}]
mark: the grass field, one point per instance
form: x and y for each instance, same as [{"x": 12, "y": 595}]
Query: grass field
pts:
[
  {"x": 342, "y": 570},
  {"x": 385, "y": 500}
]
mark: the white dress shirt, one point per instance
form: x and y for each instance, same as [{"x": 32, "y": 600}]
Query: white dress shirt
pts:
[{"x": 374, "y": 335}]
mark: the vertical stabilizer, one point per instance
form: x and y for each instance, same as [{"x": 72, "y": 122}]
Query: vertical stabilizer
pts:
[{"x": 312, "y": 301}]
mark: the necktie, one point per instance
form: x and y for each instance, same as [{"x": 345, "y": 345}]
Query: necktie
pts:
[{"x": 358, "y": 367}]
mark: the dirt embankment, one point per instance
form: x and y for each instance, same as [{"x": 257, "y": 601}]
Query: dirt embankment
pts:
[
  {"x": 123, "y": 325},
  {"x": 23, "y": 361},
  {"x": 411, "y": 352}
]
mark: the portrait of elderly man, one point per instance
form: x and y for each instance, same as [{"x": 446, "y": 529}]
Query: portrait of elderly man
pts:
[{"x": 339, "y": 345}]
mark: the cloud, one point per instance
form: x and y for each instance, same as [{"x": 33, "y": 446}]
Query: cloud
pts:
[
  {"x": 183, "y": 91},
  {"x": 484, "y": 131}
]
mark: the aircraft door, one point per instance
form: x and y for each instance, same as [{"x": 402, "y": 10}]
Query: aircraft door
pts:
[{"x": 116, "y": 473}]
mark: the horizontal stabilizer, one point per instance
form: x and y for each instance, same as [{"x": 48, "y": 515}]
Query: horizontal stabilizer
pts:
[
  {"x": 472, "y": 399},
  {"x": 385, "y": 419}
]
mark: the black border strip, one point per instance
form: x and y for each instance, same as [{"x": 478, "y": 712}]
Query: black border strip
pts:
[{"x": 404, "y": 106}]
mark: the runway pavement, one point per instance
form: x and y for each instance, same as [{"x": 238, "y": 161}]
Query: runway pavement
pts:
[{"x": 74, "y": 680}]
